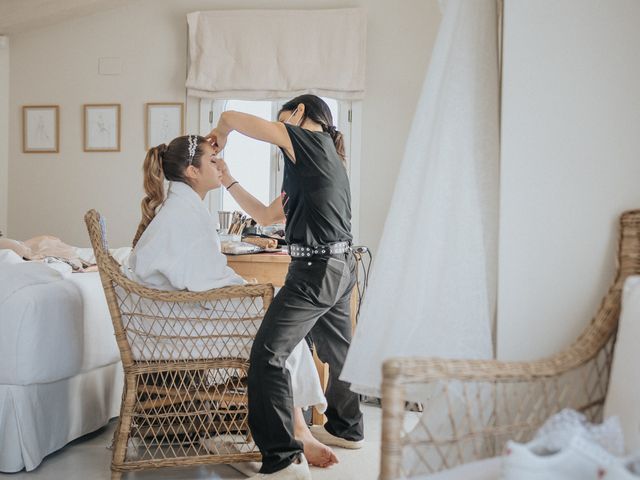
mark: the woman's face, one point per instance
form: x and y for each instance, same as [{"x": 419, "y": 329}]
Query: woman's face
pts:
[{"x": 210, "y": 175}]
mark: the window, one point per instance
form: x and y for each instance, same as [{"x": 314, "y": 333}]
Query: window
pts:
[
  {"x": 248, "y": 160},
  {"x": 257, "y": 165}
]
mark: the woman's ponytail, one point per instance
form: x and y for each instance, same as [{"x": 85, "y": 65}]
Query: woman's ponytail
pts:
[{"x": 153, "y": 188}]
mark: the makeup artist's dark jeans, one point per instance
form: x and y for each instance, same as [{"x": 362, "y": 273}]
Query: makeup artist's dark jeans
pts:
[{"x": 315, "y": 300}]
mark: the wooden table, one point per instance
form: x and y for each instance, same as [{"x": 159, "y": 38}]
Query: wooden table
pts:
[
  {"x": 272, "y": 268},
  {"x": 264, "y": 267}
]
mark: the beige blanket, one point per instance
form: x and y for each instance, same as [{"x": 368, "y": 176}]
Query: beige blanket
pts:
[{"x": 43, "y": 247}]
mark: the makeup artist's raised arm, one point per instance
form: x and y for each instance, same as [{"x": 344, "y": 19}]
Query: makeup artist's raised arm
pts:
[{"x": 251, "y": 126}]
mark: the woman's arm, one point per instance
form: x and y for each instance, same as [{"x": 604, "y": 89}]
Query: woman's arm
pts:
[
  {"x": 261, "y": 213},
  {"x": 251, "y": 126}
]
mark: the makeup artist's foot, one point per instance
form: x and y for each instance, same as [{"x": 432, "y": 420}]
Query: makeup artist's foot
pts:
[{"x": 317, "y": 453}]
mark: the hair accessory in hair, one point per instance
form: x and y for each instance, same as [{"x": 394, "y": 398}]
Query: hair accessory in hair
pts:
[
  {"x": 331, "y": 129},
  {"x": 193, "y": 144}
]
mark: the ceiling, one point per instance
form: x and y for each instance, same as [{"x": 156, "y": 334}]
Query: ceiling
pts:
[{"x": 22, "y": 15}]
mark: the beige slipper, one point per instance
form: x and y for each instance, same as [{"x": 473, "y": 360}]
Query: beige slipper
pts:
[{"x": 321, "y": 434}]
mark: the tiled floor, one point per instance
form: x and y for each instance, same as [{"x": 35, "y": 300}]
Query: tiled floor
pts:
[{"x": 88, "y": 459}]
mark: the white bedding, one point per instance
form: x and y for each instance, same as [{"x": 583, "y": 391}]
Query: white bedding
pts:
[
  {"x": 99, "y": 346},
  {"x": 53, "y": 326},
  {"x": 61, "y": 375},
  {"x": 38, "y": 419}
]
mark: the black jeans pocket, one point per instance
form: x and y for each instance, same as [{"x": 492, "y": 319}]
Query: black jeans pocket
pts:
[
  {"x": 336, "y": 265},
  {"x": 317, "y": 279}
]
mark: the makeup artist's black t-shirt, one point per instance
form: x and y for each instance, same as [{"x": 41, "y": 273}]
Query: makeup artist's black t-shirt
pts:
[{"x": 315, "y": 191}]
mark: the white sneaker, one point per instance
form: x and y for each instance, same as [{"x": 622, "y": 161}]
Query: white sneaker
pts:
[
  {"x": 295, "y": 471},
  {"x": 581, "y": 459},
  {"x": 321, "y": 434}
]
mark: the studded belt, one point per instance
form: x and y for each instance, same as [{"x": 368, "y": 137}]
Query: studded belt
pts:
[{"x": 300, "y": 251}]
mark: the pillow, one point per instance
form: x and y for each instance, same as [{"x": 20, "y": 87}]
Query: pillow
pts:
[{"x": 9, "y": 257}]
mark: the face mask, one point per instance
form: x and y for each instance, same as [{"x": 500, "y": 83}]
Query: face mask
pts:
[{"x": 291, "y": 116}]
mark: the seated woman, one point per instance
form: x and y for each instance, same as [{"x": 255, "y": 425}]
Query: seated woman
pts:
[{"x": 177, "y": 247}]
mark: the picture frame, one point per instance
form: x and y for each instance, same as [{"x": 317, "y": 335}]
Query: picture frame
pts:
[
  {"x": 41, "y": 129},
  {"x": 101, "y": 127},
  {"x": 164, "y": 121}
]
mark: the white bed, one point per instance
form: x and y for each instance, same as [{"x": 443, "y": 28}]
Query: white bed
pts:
[{"x": 61, "y": 375}]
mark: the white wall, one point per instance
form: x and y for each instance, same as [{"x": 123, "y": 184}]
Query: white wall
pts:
[
  {"x": 4, "y": 132},
  {"x": 59, "y": 65},
  {"x": 570, "y": 164}
]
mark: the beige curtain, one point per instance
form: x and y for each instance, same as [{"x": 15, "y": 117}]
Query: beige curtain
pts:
[{"x": 269, "y": 54}]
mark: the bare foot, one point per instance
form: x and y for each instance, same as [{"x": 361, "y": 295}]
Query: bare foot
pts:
[{"x": 318, "y": 454}]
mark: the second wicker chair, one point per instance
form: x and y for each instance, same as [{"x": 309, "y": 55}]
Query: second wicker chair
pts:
[{"x": 475, "y": 406}]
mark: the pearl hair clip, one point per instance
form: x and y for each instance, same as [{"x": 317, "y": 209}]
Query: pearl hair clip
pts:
[{"x": 193, "y": 143}]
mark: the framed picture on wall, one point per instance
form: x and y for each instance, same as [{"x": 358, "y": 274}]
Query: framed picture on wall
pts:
[
  {"x": 102, "y": 127},
  {"x": 41, "y": 129},
  {"x": 163, "y": 123}
]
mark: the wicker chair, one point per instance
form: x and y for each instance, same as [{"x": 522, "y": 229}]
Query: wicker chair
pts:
[
  {"x": 185, "y": 359},
  {"x": 475, "y": 406}
]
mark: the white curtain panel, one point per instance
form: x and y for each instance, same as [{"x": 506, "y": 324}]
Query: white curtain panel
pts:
[
  {"x": 270, "y": 54},
  {"x": 432, "y": 290}
]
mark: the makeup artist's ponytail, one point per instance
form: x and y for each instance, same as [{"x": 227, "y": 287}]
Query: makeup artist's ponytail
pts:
[
  {"x": 153, "y": 188},
  {"x": 338, "y": 141}
]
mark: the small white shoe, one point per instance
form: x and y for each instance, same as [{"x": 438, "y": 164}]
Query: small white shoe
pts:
[
  {"x": 581, "y": 459},
  {"x": 295, "y": 471},
  {"x": 321, "y": 434}
]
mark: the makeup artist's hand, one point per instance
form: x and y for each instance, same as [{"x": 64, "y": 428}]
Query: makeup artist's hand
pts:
[
  {"x": 217, "y": 139},
  {"x": 224, "y": 169}
]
